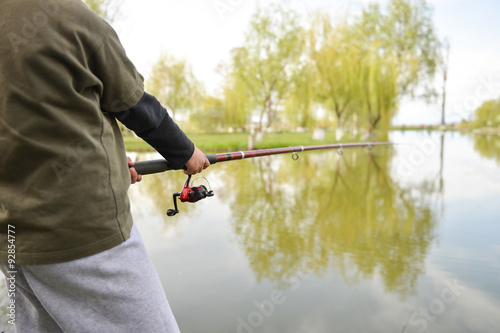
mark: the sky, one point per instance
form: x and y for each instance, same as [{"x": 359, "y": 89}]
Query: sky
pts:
[{"x": 205, "y": 35}]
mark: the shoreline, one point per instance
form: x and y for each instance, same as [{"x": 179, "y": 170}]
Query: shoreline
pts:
[{"x": 219, "y": 142}]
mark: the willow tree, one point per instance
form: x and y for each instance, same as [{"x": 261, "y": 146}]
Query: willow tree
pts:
[
  {"x": 337, "y": 67},
  {"x": 300, "y": 103},
  {"x": 444, "y": 62},
  {"x": 268, "y": 58},
  {"x": 400, "y": 52},
  {"x": 210, "y": 116},
  {"x": 379, "y": 89},
  {"x": 488, "y": 114},
  {"x": 238, "y": 103},
  {"x": 172, "y": 81},
  {"x": 406, "y": 28}
]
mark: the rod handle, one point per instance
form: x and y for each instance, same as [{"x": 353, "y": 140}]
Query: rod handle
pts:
[
  {"x": 157, "y": 166},
  {"x": 153, "y": 166},
  {"x": 212, "y": 158}
]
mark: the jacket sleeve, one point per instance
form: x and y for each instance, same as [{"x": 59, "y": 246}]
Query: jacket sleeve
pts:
[
  {"x": 121, "y": 85},
  {"x": 151, "y": 122}
]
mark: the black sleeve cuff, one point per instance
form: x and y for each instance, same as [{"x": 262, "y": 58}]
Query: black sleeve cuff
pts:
[{"x": 151, "y": 122}]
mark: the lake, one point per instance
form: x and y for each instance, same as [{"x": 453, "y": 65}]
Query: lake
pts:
[{"x": 388, "y": 239}]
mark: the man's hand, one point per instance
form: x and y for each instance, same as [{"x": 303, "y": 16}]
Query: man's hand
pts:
[
  {"x": 134, "y": 176},
  {"x": 197, "y": 163}
]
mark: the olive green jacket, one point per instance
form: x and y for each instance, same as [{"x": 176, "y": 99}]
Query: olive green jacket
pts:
[{"x": 63, "y": 170}]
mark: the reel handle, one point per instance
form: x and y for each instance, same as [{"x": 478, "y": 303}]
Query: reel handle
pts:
[{"x": 174, "y": 211}]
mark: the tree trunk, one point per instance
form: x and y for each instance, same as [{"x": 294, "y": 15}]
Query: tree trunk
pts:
[
  {"x": 441, "y": 166},
  {"x": 443, "y": 106},
  {"x": 373, "y": 124},
  {"x": 446, "y": 57},
  {"x": 339, "y": 132},
  {"x": 251, "y": 139},
  {"x": 355, "y": 124}
]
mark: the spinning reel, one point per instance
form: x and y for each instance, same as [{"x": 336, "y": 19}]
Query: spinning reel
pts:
[{"x": 190, "y": 194}]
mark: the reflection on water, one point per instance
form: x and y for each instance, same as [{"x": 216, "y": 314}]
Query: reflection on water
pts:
[
  {"x": 349, "y": 243},
  {"x": 329, "y": 211},
  {"x": 402, "y": 239},
  {"x": 488, "y": 146}
]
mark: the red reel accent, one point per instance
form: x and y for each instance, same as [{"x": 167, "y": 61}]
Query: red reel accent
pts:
[{"x": 190, "y": 194}]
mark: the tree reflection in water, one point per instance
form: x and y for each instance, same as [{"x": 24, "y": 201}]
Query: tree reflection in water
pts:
[
  {"x": 346, "y": 213},
  {"x": 488, "y": 146}
]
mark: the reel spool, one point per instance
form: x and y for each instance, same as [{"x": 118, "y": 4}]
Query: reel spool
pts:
[{"x": 190, "y": 194}]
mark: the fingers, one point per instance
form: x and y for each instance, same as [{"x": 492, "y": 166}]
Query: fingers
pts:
[
  {"x": 207, "y": 163},
  {"x": 193, "y": 171},
  {"x": 197, "y": 163},
  {"x": 134, "y": 176}
]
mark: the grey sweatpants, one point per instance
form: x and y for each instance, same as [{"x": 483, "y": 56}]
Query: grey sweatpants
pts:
[{"x": 117, "y": 290}]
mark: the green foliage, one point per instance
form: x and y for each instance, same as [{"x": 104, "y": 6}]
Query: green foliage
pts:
[
  {"x": 406, "y": 30},
  {"x": 355, "y": 69},
  {"x": 238, "y": 103},
  {"x": 172, "y": 81},
  {"x": 356, "y": 77},
  {"x": 210, "y": 117},
  {"x": 379, "y": 89},
  {"x": 337, "y": 66},
  {"x": 488, "y": 114},
  {"x": 265, "y": 65},
  {"x": 399, "y": 53},
  {"x": 299, "y": 104}
]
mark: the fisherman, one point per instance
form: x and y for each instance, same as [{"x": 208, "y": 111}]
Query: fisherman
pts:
[{"x": 66, "y": 232}]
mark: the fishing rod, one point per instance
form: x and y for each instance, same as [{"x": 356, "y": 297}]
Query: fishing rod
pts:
[{"x": 193, "y": 194}]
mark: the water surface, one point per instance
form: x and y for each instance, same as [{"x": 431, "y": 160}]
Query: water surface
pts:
[{"x": 403, "y": 239}]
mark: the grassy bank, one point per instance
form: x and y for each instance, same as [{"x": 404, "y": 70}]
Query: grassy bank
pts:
[{"x": 236, "y": 141}]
